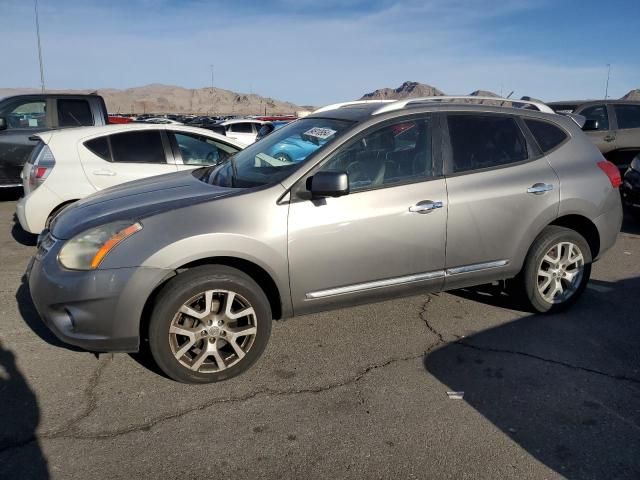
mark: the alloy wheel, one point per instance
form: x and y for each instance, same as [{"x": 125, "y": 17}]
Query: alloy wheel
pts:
[{"x": 560, "y": 272}]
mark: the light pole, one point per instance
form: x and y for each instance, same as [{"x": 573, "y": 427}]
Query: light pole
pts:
[
  {"x": 212, "y": 109},
  {"x": 39, "y": 46},
  {"x": 606, "y": 88}
]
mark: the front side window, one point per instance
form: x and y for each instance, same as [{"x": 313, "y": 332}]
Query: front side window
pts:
[
  {"x": 628, "y": 116},
  {"x": 200, "y": 150},
  {"x": 547, "y": 135},
  {"x": 143, "y": 146},
  {"x": 74, "y": 113},
  {"x": 393, "y": 154},
  {"x": 30, "y": 114},
  {"x": 276, "y": 156},
  {"x": 599, "y": 114},
  {"x": 485, "y": 141}
]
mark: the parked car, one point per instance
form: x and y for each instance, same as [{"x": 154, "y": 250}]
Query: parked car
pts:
[
  {"x": 631, "y": 185},
  {"x": 613, "y": 125},
  {"x": 396, "y": 199},
  {"x": 160, "y": 121},
  {"x": 270, "y": 126},
  {"x": 243, "y": 130},
  {"x": 69, "y": 165},
  {"x": 22, "y": 116}
]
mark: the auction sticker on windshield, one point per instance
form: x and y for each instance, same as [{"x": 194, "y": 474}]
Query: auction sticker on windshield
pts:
[{"x": 320, "y": 133}]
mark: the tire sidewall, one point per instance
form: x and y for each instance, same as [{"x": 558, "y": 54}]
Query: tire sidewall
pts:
[
  {"x": 541, "y": 246},
  {"x": 185, "y": 286}
]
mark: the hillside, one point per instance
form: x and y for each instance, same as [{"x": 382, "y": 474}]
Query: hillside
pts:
[
  {"x": 172, "y": 99},
  {"x": 633, "y": 95},
  {"x": 406, "y": 90}
]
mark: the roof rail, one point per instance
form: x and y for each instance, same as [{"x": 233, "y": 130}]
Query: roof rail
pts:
[
  {"x": 345, "y": 104},
  {"x": 445, "y": 98}
]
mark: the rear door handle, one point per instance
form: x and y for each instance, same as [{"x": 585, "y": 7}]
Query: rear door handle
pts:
[
  {"x": 425, "y": 206},
  {"x": 609, "y": 138},
  {"x": 539, "y": 188},
  {"x": 104, "y": 172}
]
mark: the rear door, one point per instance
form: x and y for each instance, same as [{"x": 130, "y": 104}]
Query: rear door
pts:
[
  {"x": 605, "y": 136},
  {"x": 125, "y": 156},
  {"x": 25, "y": 116},
  {"x": 501, "y": 193}
]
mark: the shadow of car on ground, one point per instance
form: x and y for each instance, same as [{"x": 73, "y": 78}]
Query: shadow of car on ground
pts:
[{"x": 565, "y": 386}]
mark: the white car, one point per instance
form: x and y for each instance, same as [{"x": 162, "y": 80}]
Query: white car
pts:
[
  {"x": 70, "y": 164},
  {"x": 243, "y": 130}
]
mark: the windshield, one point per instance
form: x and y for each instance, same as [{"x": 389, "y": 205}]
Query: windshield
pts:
[{"x": 275, "y": 157}]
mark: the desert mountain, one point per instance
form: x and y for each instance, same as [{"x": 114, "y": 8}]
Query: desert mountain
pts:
[
  {"x": 156, "y": 98},
  {"x": 632, "y": 95},
  {"x": 406, "y": 90}
]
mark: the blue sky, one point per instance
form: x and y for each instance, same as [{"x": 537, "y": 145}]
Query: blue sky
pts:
[{"x": 321, "y": 51}]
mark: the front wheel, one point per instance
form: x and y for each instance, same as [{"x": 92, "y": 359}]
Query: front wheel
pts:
[
  {"x": 556, "y": 270},
  {"x": 209, "y": 324}
]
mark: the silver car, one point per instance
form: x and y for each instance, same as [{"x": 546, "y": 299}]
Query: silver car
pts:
[{"x": 392, "y": 199}]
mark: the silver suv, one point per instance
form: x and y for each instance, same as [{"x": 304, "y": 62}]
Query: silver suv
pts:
[{"x": 383, "y": 199}]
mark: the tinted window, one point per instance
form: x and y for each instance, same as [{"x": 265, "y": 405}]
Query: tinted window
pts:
[
  {"x": 599, "y": 114},
  {"x": 100, "y": 147},
  {"x": 138, "y": 147},
  {"x": 74, "y": 113},
  {"x": 564, "y": 107},
  {"x": 628, "y": 116},
  {"x": 199, "y": 150},
  {"x": 393, "y": 154},
  {"x": 29, "y": 114},
  {"x": 241, "y": 128},
  {"x": 548, "y": 136},
  {"x": 483, "y": 141}
]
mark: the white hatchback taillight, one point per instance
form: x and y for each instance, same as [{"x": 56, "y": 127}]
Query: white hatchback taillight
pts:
[{"x": 42, "y": 166}]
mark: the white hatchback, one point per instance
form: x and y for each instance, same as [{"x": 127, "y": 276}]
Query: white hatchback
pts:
[{"x": 70, "y": 164}]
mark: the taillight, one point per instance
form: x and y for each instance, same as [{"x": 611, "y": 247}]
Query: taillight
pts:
[
  {"x": 42, "y": 166},
  {"x": 612, "y": 172}
]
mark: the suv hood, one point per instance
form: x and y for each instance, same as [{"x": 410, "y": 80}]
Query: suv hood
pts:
[{"x": 135, "y": 201}]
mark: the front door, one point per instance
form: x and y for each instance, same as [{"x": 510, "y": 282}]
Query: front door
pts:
[
  {"x": 605, "y": 136},
  {"x": 627, "y": 134},
  {"x": 386, "y": 237}
]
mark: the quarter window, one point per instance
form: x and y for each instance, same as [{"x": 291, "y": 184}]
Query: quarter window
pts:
[
  {"x": 200, "y": 150},
  {"x": 138, "y": 147},
  {"x": 628, "y": 116},
  {"x": 485, "y": 141},
  {"x": 599, "y": 114},
  {"x": 547, "y": 135},
  {"x": 74, "y": 113},
  {"x": 393, "y": 154},
  {"x": 100, "y": 147},
  {"x": 31, "y": 114}
]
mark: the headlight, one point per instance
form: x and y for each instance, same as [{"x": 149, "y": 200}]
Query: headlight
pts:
[{"x": 86, "y": 250}]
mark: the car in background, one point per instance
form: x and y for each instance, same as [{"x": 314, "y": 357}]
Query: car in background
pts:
[
  {"x": 68, "y": 165},
  {"x": 22, "y": 116},
  {"x": 270, "y": 126},
  {"x": 244, "y": 130},
  {"x": 631, "y": 186},
  {"x": 396, "y": 198},
  {"x": 159, "y": 121},
  {"x": 613, "y": 125}
]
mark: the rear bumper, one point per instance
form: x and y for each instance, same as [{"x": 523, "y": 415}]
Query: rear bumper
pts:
[
  {"x": 96, "y": 310},
  {"x": 608, "y": 225},
  {"x": 34, "y": 208}
]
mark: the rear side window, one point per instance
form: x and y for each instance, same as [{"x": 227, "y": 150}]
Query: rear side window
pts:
[
  {"x": 138, "y": 147},
  {"x": 628, "y": 116},
  {"x": 241, "y": 128},
  {"x": 100, "y": 147},
  {"x": 485, "y": 141},
  {"x": 599, "y": 114},
  {"x": 74, "y": 113},
  {"x": 547, "y": 135}
]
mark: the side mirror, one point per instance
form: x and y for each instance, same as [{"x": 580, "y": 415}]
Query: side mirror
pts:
[
  {"x": 329, "y": 184},
  {"x": 590, "y": 125},
  {"x": 3, "y": 123}
]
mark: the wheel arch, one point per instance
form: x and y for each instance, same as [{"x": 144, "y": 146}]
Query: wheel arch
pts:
[{"x": 584, "y": 227}]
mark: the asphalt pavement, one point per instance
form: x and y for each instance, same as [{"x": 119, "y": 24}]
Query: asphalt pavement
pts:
[{"x": 355, "y": 393}]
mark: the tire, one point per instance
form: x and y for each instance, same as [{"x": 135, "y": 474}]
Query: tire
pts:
[
  {"x": 211, "y": 333},
  {"x": 571, "y": 271}
]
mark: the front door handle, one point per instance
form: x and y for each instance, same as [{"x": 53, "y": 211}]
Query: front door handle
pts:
[
  {"x": 609, "y": 138},
  {"x": 425, "y": 206},
  {"x": 539, "y": 188},
  {"x": 104, "y": 172}
]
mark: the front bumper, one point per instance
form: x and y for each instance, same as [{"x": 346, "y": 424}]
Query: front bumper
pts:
[{"x": 97, "y": 310}]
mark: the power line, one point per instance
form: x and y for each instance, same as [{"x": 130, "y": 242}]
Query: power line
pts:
[{"x": 39, "y": 46}]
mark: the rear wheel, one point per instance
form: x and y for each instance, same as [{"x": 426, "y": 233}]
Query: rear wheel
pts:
[
  {"x": 209, "y": 324},
  {"x": 556, "y": 270}
]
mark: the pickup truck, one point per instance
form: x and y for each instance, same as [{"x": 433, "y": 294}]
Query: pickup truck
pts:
[{"x": 22, "y": 116}]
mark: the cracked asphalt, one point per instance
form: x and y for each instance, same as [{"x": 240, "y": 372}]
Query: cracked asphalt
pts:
[{"x": 354, "y": 393}]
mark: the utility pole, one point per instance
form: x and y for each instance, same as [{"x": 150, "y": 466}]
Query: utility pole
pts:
[
  {"x": 606, "y": 88},
  {"x": 39, "y": 46}
]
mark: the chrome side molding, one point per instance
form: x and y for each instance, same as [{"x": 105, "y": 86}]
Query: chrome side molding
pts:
[{"x": 477, "y": 267}]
